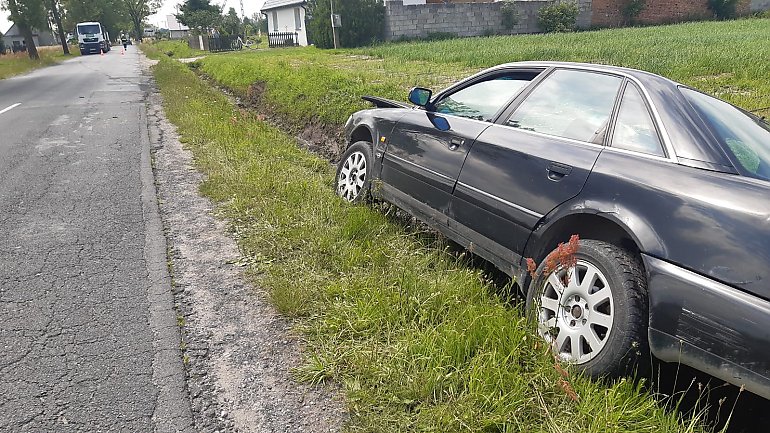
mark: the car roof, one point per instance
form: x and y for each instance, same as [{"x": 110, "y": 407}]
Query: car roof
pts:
[{"x": 635, "y": 73}]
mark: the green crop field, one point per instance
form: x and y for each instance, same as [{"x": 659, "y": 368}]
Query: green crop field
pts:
[{"x": 418, "y": 339}]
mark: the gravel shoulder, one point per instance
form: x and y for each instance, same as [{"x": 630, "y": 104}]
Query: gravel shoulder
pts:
[{"x": 238, "y": 350}]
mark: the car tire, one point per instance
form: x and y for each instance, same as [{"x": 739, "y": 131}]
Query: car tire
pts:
[
  {"x": 353, "y": 179},
  {"x": 599, "y": 320}
]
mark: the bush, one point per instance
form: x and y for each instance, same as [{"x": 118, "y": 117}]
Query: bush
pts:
[
  {"x": 559, "y": 17},
  {"x": 440, "y": 36},
  {"x": 724, "y": 9},
  {"x": 362, "y": 22},
  {"x": 632, "y": 9},
  {"x": 509, "y": 13}
]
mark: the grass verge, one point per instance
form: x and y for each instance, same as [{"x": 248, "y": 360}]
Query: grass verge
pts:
[
  {"x": 179, "y": 49},
  {"x": 19, "y": 63},
  {"x": 418, "y": 340}
]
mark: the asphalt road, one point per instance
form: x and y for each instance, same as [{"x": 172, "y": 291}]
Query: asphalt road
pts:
[{"x": 88, "y": 335}]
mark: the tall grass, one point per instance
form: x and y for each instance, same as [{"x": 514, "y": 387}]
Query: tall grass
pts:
[
  {"x": 177, "y": 49},
  {"x": 19, "y": 63},
  {"x": 308, "y": 83},
  {"x": 727, "y": 58},
  {"x": 418, "y": 340}
]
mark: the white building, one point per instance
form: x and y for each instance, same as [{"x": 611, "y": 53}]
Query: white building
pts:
[
  {"x": 176, "y": 29},
  {"x": 286, "y": 16},
  {"x": 15, "y": 40}
]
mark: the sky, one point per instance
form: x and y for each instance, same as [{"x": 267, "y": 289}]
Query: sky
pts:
[{"x": 169, "y": 7}]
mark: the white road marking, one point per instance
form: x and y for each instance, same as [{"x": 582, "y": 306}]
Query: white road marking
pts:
[{"x": 10, "y": 108}]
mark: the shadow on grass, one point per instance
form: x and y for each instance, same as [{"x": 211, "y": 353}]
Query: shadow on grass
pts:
[{"x": 697, "y": 392}]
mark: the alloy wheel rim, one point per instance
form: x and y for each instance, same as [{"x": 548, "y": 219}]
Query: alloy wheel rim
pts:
[
  {"x": 352, "y": 176},
  {"x": 576, "y": 318}
]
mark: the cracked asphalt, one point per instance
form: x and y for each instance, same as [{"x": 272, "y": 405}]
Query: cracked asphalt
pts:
[{"x": 88, "y": 330}]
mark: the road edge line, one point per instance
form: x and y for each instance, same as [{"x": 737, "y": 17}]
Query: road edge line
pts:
[{"x": 172, "y": 411}]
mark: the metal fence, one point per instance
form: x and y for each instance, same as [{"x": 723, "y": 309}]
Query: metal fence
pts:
[
  {"x": 214, "y": 44},
  {"x": 282, "y": 39},
  {"x": 194, "y": 42},
  {"x": 224, "y": 43}
]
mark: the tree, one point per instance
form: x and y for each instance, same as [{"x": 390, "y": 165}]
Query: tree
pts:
[
  {"x": 27, "y": 14},
  {"x": 137, "y": 11},
  {"x": 54, "y": 10},
  {"x": 110, "y": 13},
  {"x": 724, "y": 9},
  {"x": 231, "y": 23},
  {"x": 260, "y": 22},
  {"x": 362, "y": 22},
  {"x": 199, "y": 15}
]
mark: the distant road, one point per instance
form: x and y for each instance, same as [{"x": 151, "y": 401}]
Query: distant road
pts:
[{"x": 88, "y": 338}]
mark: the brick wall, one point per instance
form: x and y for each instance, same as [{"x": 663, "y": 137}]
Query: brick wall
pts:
[
  {"x": 609, "y": 13},
  {"x": 465, "y": 19}
]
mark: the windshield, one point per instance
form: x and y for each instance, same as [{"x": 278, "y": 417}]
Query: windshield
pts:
[
  {"x": 743, "y": 135},
  {"x": 89, "y": 29}
]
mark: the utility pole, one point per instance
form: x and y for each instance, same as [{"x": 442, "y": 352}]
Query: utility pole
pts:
[{"x": 334, "y": 26}]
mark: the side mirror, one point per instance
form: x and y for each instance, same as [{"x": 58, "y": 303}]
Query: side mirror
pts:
[
  {"x": 420, "y": 96},
  {"x": 439, "y": 122}
]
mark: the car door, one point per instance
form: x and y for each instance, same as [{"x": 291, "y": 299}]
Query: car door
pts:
[
  {"x": 538, "y": 155},
  {"x": 428, "y": 147}
]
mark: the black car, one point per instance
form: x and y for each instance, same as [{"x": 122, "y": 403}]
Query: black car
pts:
[{"x": 666, "y": 187}]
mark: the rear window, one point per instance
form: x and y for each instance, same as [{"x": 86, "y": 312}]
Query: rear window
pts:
[
  {"x": 743, "y": 135},
  {"x": 89, "y": 29}
]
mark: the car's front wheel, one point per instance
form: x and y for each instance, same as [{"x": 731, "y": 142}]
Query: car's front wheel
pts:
[
  {"x": 354, "y": 172},
  {"x": 595, "y": 313}
]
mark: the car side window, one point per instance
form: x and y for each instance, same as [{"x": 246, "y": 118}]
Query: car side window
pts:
[
  {"x": 482, "y": 100},
  {"x": 634, "y": 127},
  {"x": 570, "y": 104}
]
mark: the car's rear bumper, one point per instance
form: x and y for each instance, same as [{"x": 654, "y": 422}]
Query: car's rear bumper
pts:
[{"x": 708, "y": 325}]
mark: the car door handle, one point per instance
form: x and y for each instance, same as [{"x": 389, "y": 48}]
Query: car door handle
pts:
[
  {"x": 557, "y": 171},
  {"x": 455, "y": 142}
]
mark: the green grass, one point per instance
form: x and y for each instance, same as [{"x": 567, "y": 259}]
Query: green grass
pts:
[
  {"x": 307, "y": 83},
  {"x": 418, "y": 340},
  {"x": 19, "y": 63},
  {"x": 177, "y": 49}
]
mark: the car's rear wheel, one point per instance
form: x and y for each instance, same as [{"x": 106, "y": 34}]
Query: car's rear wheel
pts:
[
  {"x": 595, "y": 313},
  {"x": 354, "y": 172}
]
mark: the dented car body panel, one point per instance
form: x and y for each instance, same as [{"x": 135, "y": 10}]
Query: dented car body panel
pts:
[{"x": 700, "y": 224}]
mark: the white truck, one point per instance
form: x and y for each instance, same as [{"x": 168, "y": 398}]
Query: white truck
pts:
[{"x": 92, "y": 38}]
